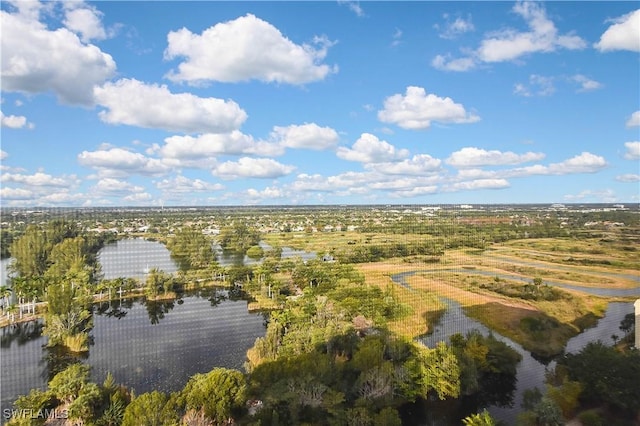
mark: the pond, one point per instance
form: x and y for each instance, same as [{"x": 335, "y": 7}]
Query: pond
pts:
[
  {"x": 133, "y": 258},
  {"x": 156, "y": 345},
  {"x": 226, "y": 258},
  {"x": 530, "y": 371},
  {"x": 145, "y": 345}
]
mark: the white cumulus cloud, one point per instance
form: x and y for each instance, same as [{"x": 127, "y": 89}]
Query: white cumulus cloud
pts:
[
  {"x": 543, "y": 36},
  {"x": 510, "y": 44},
  {"x": 7, "y": 193},
  {"x": 246, "y": 167},
  {"x": 628, "y": 177},
  {"x": 182, "y": 184},
  {"x": 416, "y": 110},
  {"x": 586, "y": 84},
  {"x": 14, "y": 121},
  {"x": 447, "y": 63},
  {"x": 452, "y": 29},
  {"x": 307, "y": 136},
  {"x": 474, "y": 185},
  {"x": 633, "y": 150},
  {"x": 585, "y": 162},
  {"x": 115, "y": 187},
  {"x": 418, "y": 165},
  {"x": 36, "y": 60},
  {"x": 623, "y": 34},
  {"x": 132, "y": 102},
  {"x": 39, "y": 179},
  {"x": 634, "y": 120},
  {"x": 121, "y": 162},
  {"x": 369, "y": 149},
  {"x": 85, "y": 21},
  {"x": 244, "y": 49},
  {"x": 209, "y": 146},
  {"x": 476, "y": 157}
]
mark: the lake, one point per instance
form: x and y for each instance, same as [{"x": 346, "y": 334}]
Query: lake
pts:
[
  {"x": 146, "y": 346},
  {"x": 132, "y": 258}
]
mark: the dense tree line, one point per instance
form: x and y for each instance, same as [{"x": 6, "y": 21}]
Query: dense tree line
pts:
[
  {"x": 376, "y": 252},
  {"x": 191, "y": 250},
  {"x": 238, "y": 237}
]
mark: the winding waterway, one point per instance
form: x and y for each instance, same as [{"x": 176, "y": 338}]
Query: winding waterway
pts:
[
  {"x": 597, "y": 291},
  {"x": 530, "y": 372}
]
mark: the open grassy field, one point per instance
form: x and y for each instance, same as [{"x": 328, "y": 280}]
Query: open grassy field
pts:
[
  {"x": 425, "y": 308},
  {"x": 542, "y": 326},
  {"x": 602, "y": 254}
]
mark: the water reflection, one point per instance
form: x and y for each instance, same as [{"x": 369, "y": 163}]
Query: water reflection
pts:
[
  {"x": 20, "y": 333},
  {"x": 146, "y": 346},
  {"x": 133, "y": 258},
  {"x": 157, "y": 309}
]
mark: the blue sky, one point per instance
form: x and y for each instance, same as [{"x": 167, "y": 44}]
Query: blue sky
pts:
[{"x": 237, "y": 103}]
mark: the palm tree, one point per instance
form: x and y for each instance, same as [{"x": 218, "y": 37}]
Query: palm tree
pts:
[{"x": 5, "y": 292}]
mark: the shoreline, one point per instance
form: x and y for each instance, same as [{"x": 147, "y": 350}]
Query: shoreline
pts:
[{"x": 100, "y": 298}]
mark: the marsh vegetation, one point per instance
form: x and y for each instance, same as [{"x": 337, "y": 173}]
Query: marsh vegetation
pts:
[{"x": 342, "y": 343}]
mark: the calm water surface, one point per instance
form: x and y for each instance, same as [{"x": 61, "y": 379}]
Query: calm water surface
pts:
[
  {"x": 146, "y": 346},
  {"x": 132, "y": 258}
]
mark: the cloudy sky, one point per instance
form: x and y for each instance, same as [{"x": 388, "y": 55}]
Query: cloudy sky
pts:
[{"x": 216, "y": 103}]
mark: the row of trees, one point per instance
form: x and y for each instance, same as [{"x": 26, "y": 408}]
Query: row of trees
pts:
[{"x": 375, "y": 252}]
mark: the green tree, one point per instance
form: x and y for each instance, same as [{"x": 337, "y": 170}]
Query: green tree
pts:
[
  {"x": 606, "y": 375},
  {"x": 548, "y": 413},
  {"x": 433, "y": 370},
  {"x": 5, "y": 294},
  {"x": 388, "y": 416},
  {"x": 221, "y": 394},
  {"x": 83, "y": 408},
  {"x": 31, "y": 253},
  {"x": 70, "y": 258},
  {"x": 6, "y": 239},
  {"x": 69, "y": 383},
  {"x": 565, "y": 396},
  {"x": 479, "y": 419},
  {"x": 191, "y": 249},
  {"x": 150, "y": 409},
  {"x": 238, "y": 237},
  {"x": 628, "y": 323},
  {"x": 67, "y": 312},
  {"x": 158, "y": 281}
]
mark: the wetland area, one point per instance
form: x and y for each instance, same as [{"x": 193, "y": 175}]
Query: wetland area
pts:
[{"x": 327, "y": 287}]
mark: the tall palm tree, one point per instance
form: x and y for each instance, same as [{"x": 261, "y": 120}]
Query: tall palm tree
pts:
[{"x": 5, "y": 292}]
